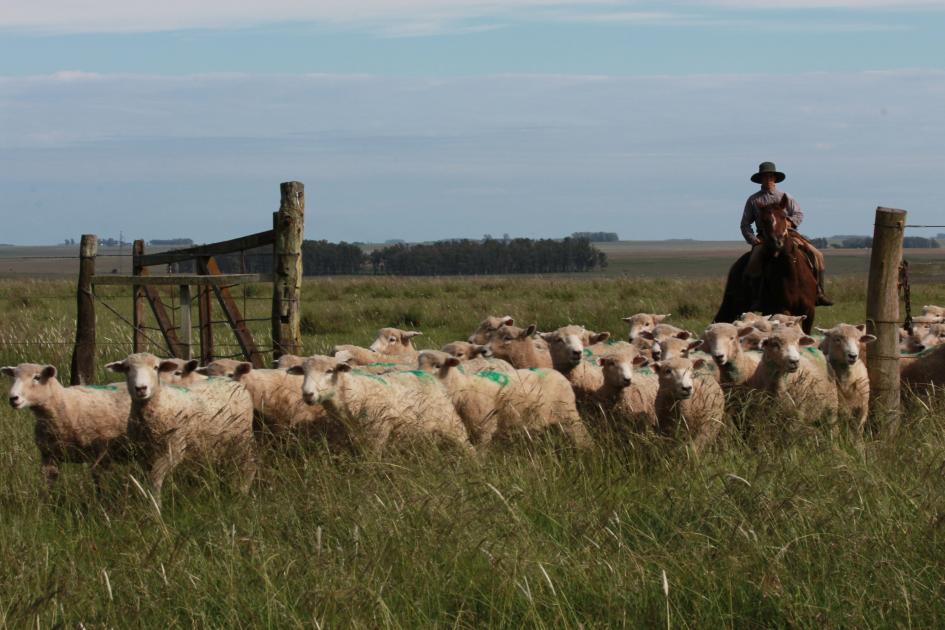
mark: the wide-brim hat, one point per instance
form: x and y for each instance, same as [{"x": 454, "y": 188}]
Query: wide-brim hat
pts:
[{"x": 767, "y": 167}]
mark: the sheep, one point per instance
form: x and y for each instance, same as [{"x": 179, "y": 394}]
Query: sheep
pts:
[
  {"x": 798, "y": 379},
  {"x": 674, "y": 348},
  {"x": 497, "y": 404},
  {"x": 286, "y": 361},
  {"x": 926, "y": 372},
  {"x": 788, "y": 321},
  {"x": 688, "y": 405},
  {"x": 627, "y": 395},
  {"x": 567, "y": 353},
  {"x": 185, "y": 374},
  {"x": 763, "y": 323},
  {"x": 723, "y": 343},
  {"x": 516, "y": 346},
  {"x": 394, "y": 341},
  {"x": 172, "y": 424},
  {"x": 475, "y": 357},
  {"x": 356, "y": 355},
  {"x": 642, "y": 322},
  {"x": 378, "y": 409},
  {"x": 488, "y": 326},
  {"x": 276, "y": 394},
  {"x": 841, "y": 347},
  {"x": 80, "y": 424},
  {"x": 752, "y": 338},
  {"x": 935, "y": 311}
]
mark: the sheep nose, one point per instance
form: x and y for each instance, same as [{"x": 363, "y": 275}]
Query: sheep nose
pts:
[
  {"x": 719, "y": 358},
  {"x": 626, "y": 381},
  {"x": 308, "y": 397},
  {"x": 141, "y": 389},
  {"x": 14, "y": 401},
  {"x": 575, "y": 354},
  {"x": 852, "y": 357},
  {"x": 687, "y": 389}
]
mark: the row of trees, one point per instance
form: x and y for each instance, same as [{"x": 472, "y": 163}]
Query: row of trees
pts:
[
  {"x": 865, "y": 242},
  {"x": 597, "y": 237},
  {"x": 458, "y": 257}
]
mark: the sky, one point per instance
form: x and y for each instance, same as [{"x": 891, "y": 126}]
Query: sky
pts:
[{"x": 427, "y": 119}]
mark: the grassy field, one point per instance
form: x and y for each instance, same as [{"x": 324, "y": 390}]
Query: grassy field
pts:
[{"x": 782, "y": 530}]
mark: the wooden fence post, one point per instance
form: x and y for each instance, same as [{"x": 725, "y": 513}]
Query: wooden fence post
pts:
[
  {"x": 882, "y": 317},
  {"x": 83, "y": 354},
  {"x": 287, "y": 270},
  {"x": 137, "y": 297}
]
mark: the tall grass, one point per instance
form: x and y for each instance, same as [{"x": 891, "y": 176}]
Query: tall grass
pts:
[{"x": 791, "y": 530}]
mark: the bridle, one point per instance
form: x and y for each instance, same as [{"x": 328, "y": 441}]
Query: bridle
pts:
[{"x": 773, "y": 227}]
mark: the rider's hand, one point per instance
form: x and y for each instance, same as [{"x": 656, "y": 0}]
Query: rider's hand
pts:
[{"x": 755, "y": 241}]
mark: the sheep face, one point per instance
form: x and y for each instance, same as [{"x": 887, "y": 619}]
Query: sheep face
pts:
[
  {"x": 618, "y": 368},
  {"x": 184, "y": 373},
  {"x": 506, "y": 338},
  {"x": 567, "y": 344},
  {"x": 394, "y": 341},
  {"x": 841, "y": 344},
  {"x": 782, "y": 349},
  {"x": 466, "y": 351},
  {"x": 142, "y": 374},
  {"x": 488, "y": 326},
  {"x": 935, "y": 311},
  {"x": 321, "y": 378},
  {"x": 675, "y": 376},
  {"x": 673, "y": 348},
  {"x": 642, "y": 322},
  {"x": 286, "y": 361},
  {"x": 31, "y": 384},
  {"x": 788, "y": 321},
  {"x": 752, "y": 338},
  {"x": 224, "y": 368}
]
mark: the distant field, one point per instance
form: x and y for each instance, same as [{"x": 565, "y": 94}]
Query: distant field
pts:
[{"x": 680, "y": 259}]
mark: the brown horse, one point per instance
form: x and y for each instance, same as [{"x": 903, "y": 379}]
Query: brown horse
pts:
[{"x": 789, "y": 285}]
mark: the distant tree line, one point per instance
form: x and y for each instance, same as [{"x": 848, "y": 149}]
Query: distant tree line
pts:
[
  {"x": 171, "y": 241},
  {"x": 489, "y": 257},
  {"x": 863, "y": 242},
  {"x": 597, "y": 237},
  {"x": 455, "y": 257}
]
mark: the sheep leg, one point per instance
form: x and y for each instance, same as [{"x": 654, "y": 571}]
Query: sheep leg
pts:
[
  {"x": 248, "y": 470},
  {"x": 578, "y": 433},
  {"x": 159, "y": 469},
  {"x": 50, "y": 469}
]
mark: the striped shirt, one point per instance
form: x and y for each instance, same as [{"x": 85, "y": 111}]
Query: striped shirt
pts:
[{"x": 761, "y": 199}]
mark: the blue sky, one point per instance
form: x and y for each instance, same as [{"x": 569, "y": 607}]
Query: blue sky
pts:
[{"x": 422, "y": 119}]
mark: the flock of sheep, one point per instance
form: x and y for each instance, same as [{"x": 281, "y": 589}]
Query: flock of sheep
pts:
[{"x": 504, "y": 380}]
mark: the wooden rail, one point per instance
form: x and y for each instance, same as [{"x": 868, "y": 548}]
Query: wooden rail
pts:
[{"x": 184, "y": 279}]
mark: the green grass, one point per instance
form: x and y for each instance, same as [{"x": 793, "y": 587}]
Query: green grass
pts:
[{"x": 783, "y": 530}]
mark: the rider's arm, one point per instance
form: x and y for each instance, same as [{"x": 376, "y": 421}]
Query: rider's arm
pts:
[
  {"x": 794, "y": 212},
  {"x": 748, "y": 218}
]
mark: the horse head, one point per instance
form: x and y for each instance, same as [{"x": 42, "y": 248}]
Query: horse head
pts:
[{"x": 773, "y": 226}]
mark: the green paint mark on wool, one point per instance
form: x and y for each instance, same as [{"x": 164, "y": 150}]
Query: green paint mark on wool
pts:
[
  {"x": 495, "y": 377},
  {"x": 419, "y": 374},
  {"x": 380, "y": 364},
  {"x": 369, "y": 375},
  {"x": 613, "y": 342},
  {"x": 645, "y": 370},
  {"x": 107, "y": 388},
  {"x": 587, "y": 352},
  {"x": 541, "y": 372}
]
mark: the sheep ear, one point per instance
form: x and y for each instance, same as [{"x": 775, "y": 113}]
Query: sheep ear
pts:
[
  {"x": 7, "y": 370},
  {"x": 508, "y": 321},
  {"x": 698, "y": 364},
  {"x": 296, "y": 370},
  {"x": 410, "y": 334},
  {"x": 822, "y": 331},
  {"x": 659, "y": 318},
  {"x": 800, "y": 318},
  {"x": 243, "y": 369},
  {"x": 694, "y": 344},
  {"x": 202, "y": 371},
  {"x": 451, "y": 362},
  {"x": 867, "y": 338},
  {"x": 49, "y": 371},
  {"x": 167, "y": 366},
  {"x": 806, "y": 341},
  {"x": 746, "y": 331},
  {"x": 191, "y": 365},
  {"x": 861, "y": 327},
  {"x": 547, "y": 336},
  {"x": 600, "y": 337},
  {"x": 485, "y": 351},
  {"x": 275, "y": 364},
  {"x": 646, "y": 334},
  {"x": 342, "y": 367},
  {"x": 656, "y": 365},
  {"x": 640, "y": 361},
  {"x": 683, "y": 335},
  {"x": 601, "y": 361},
  {"x": 627, "y": 319},
  {"x": 117, "y": 366},
  {"x": 528, "y": 332}
]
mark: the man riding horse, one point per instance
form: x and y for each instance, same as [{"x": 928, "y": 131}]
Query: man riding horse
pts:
[{"x": 769, "y": 196}]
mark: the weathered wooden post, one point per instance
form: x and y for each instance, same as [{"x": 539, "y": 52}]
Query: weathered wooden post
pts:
[
  {"x": 83, "y": 354},
  {"x": 882, "y": 317},
  {"x": 205, "y": 314},
  {"x": 137, "y": 296},
  {"x": 289, "y": 225},
  {"x": 186, "y": 323}
]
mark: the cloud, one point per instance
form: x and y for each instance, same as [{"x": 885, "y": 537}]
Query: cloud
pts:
[
  {"x": 391, "y": 17},
  {"x": 651, "y": 157}
]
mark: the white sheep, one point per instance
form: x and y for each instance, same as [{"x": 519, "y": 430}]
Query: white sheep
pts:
[
  {"x": 628, "y": 393},
  {"x": 286, "y": 361},
  {"x": 185, "y": 374},
  {"x": 566, "y": 346},
  {"x": 81, "y": 424},
  {"x": 841, "y": 346},
  {"x": 498, "y": 404},
  {"x": 394, "y": 341},
  {"x": 642, "y": 322},
  {"x": 926, "y": 372},
  {"x": 794, "y": 377},
  {"x": 517, "y": 346},
  {"x": 475, "y": 357},
  {"x": 934, "y": 311},
  {"x": 172, "y": 424},
  {"x": 722, "y": 342},
  {"x": 488, "y": 326},
  {"x": 356, "y": 355},
  {"x": 689, "y": 407},
  {"x": 277, "y": 395},
  {"x": 379, "y": 409},
  {"x": 764, "y": 323}
]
